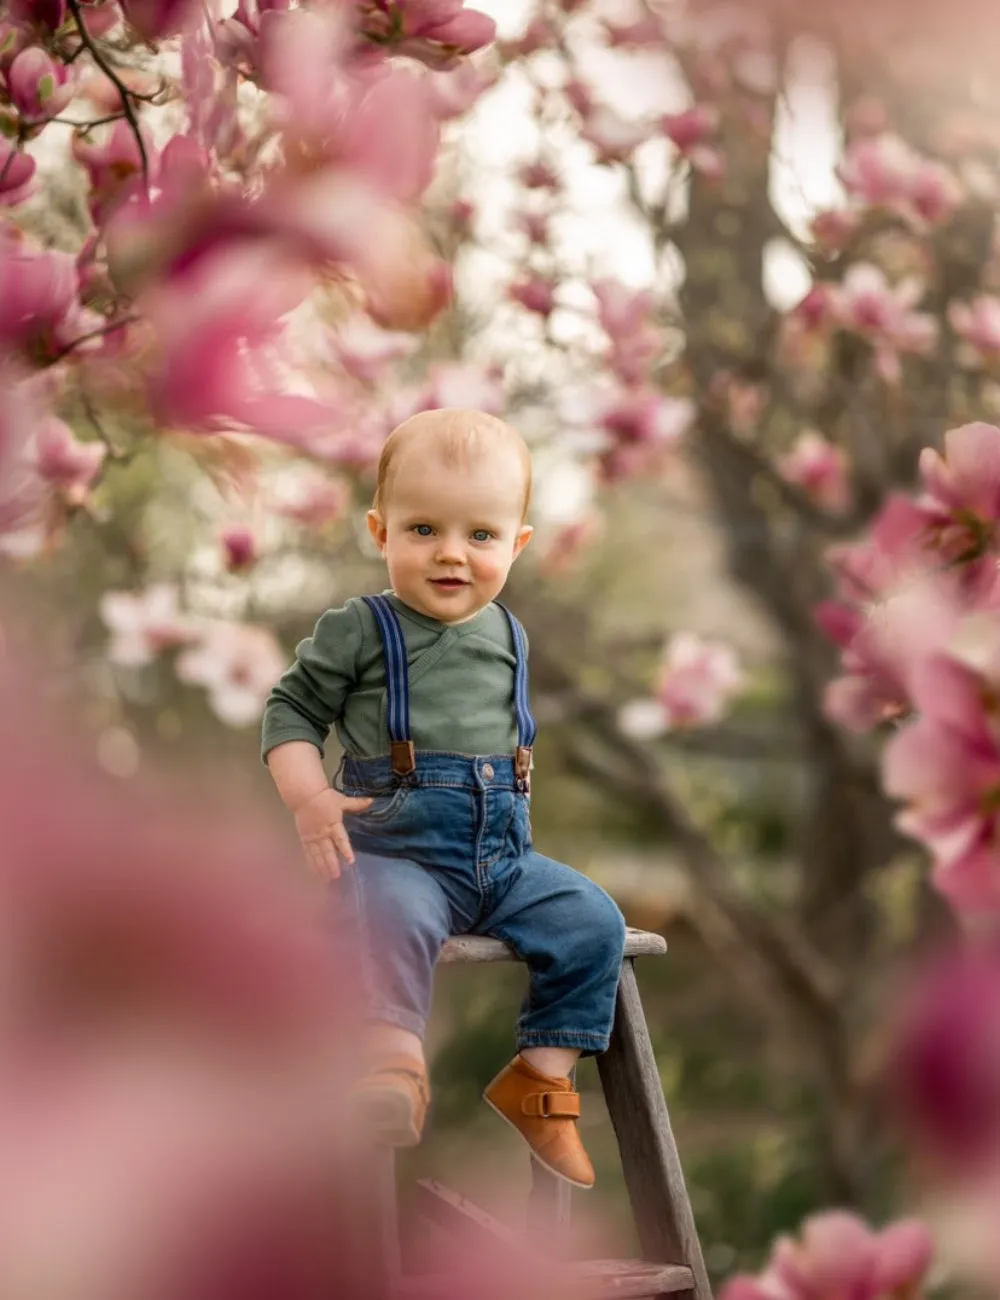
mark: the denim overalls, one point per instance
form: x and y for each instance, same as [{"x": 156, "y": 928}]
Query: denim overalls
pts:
[{"x": 446, "y": 849}]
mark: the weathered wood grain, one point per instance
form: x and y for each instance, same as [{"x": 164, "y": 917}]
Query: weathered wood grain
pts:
[
  {"x": 476, "y": 948},
  {"x": 650, "y": 1162}
]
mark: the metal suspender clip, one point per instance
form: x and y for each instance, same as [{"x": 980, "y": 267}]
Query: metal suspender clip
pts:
[{"x": 404, "y": 759}]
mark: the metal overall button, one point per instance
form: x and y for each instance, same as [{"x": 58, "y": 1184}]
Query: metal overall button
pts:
[{"x": 488, "y": 773}]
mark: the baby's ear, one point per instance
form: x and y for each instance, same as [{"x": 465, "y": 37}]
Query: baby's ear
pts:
[
  {"x": 522, "y": 539},
  {"x": 376, "y": 526}
]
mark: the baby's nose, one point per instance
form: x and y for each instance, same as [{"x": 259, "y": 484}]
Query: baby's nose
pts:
[{"x": 451, "y": 550}]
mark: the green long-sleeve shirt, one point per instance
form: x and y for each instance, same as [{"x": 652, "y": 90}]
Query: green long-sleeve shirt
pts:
[{"x": 461, "y": 684}]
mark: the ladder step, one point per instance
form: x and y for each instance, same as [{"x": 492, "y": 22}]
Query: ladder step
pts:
[{"x": 596, "y": 1279}]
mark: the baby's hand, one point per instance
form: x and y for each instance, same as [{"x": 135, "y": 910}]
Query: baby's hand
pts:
[{"x": 320, "y": 824}]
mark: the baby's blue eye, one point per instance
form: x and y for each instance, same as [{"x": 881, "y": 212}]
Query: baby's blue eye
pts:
[
  {"x": 481, "y": 535},
  {"x": 423, "y": 530}
]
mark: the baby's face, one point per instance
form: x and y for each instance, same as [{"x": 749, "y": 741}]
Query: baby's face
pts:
[{"x": 450, "y": 532}]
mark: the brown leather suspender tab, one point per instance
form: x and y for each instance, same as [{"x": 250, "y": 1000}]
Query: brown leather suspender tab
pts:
[{"x": 404, "y": 759}]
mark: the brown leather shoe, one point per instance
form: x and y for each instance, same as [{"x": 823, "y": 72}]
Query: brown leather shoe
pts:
[
  {"x": 544, "y": 1111},
  {"x": 392, "y": 1101}
]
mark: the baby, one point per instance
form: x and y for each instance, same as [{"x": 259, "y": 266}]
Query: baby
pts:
[{"x": 428, "y": 830}]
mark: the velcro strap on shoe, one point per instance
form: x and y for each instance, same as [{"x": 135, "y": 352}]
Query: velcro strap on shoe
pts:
[{"x": 552, "y": 1105}]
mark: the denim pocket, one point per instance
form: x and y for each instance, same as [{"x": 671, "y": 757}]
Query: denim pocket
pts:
[{"x": 384, "y": 807}]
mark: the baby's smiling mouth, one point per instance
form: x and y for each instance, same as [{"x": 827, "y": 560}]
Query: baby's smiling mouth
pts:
[{"x": 449, "y": 582}]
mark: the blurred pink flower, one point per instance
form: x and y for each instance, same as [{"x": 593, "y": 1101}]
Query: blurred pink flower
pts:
[
  {"x": 156, "y": 19},
  {"x": 213, "y": 327},
  {"x": 690, "y": 132},
  {"x": 945, "y": 765},
  {"x": 961, "y": 499},
  {"x": 535, "y": 225},
  {"x": 237, "y": 664},
  {"x": 820, "y": 469},
  {"x": 111, "y": 158},
  {"x": 18, "y": 175},
  {"x": 538, "y": 35},
  {"x": 439, "y": 32},
  {"x": 646, "y": 30},
  {"x": 839, "y": 1257},
  {"x": 144, "y": 623},
  {"x": 614, "y": 138},
  {"x": 977, "y": 324},
  {"x": 454, "y": 92},
  {"x": 61, "y": 460},
  {"x": 377, "y": 122},
  {"x": 696, "y": 682},
  {"x": 884, "y": 171},
  {"x": 565, "y": 549},
  {"x": 867, "y": 304},
  {"x": 39, "y": 87},
  {"x": 366, "y": 352},
  {"x": 625, "y": 316},
  {"x": 310, "y": 497},
  {"x": 535, "y": 292},
  {"x": 239, "y": 547},
  {"x": 832, "y": 229},
  {"x": 944, "y": 1064},
  {"x": 539, "y": 176},
  {"x": 37, "y": 293},
  {"x": 464, "y": 386},
  {"x": 640, "y": 424},
  {"x": 49, "y": 15}
]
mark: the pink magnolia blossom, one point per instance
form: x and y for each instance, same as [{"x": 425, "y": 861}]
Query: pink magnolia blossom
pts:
[
  {"x": 461, "y": 214},
  {"x": 47, "y": 15},
  {"x": 838, "y": 1256},
  {"x": 539, "y": 176},
  {"x": 640, "y": 425},
  {"x": 640, "y": 32},
  {"x": 310, "y": 497},
  {"x": 535, "y": 292},
  {"x": 437, "y": 32},
  {"x": 961, "y": 499},
  {"x": 883, "y": 171},
  {"x": 884, "y": 646},
  {"x": 834, "y": 228},
  {"x": 614, "y": 138},
  {"x": 867, "y": 304},
  {"x": 110, "y": 155},
  {"x": 144, "y": 623},
  {"x": 454, "y": 92},
  {"x": 945, "y": 765},
  {"x": 39, "y": 87},
  {"x": 239, "y": 547},
  {"x": 691, "y": 132},
  {"x": 538, "y": 35},
  {"x": 819, "y": 469},
  {"x": 37, "y": 296},
  {"x": 366, "y": 352},
  {"x": 564, "y": 550},
  {"x": 13, "y": 38},
  {"x": 462, "y": 386},
  {"x": 636, "y": 343},
  {"x": 535, "y": 225},
  {"x": 237, "y": 664},
  {"x": 378, "y": 123},
  {"x": 213, "y": 328},
  {"x": 155, "y": 20},
  {"x": 18, "y": 175},
  {"x": 977, "y": 324},
  {"x": 944, "y": 1065},
  {"x": 61, "y": 460},
  {"x": 696, "y": 682}
]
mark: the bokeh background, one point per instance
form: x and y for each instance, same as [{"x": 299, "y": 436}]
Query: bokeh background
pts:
[{"x": 729, "y": 268}]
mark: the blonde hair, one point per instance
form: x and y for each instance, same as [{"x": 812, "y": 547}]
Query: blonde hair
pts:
[{"x": 457, "y": 435}]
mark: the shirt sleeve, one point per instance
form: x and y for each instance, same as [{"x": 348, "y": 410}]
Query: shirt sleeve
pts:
[{"x": 310, "y": 696}]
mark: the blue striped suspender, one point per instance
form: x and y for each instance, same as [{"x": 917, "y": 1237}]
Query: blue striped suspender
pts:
[
  {"x": 397, "y": 686},
  {"x": 526, "y": 726}
]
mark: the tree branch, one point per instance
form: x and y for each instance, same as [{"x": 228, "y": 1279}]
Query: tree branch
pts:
[{"x": 124, "y": 94}]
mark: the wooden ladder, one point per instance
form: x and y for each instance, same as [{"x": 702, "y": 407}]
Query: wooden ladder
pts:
[{"x": 671, "y": 1262}]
